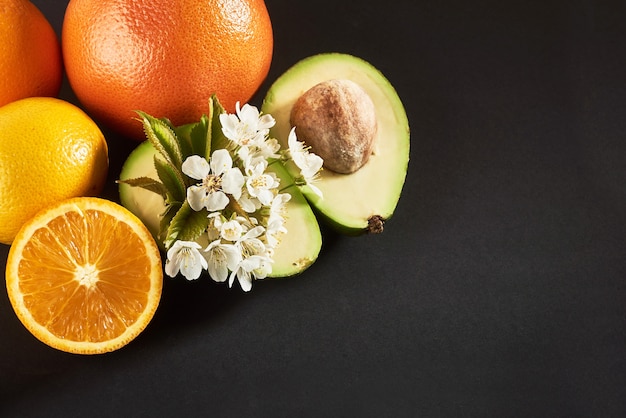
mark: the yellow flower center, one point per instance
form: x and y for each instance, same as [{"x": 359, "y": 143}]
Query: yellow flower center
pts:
[{"x": 212, "y": 183}]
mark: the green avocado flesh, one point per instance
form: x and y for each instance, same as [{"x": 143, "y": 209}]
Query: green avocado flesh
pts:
[
  {"x": 298, "y": 248},
  {"x": 146, "y": 205},
  {"x": 361, "y": 201}
]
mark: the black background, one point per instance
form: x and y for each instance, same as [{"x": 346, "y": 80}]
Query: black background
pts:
[{"x": 496, "y": 290}]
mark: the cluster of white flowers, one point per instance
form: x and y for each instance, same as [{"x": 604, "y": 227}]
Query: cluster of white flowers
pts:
[{"x": 246, "y": 208}]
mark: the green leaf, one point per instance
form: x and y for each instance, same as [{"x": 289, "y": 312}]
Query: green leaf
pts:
[
  {"x": 147, "y": 183},
  {"x": 166, "y": 218},
  {"x": 200, "y": 137},
  {"x": 218, "y": 139},
  {"x": 172, "y": 179},
  {"x": 185, "y": 146},
  {"x": 183, "y": 132},
  {"x": 186, "y": 225},
  {"x": 160, "y": 133}
]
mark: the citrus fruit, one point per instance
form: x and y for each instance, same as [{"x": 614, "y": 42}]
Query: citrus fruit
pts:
[
  {"x": 164, "y": 57},
  {"x": 50, "y": 150},
  {"x": 84, "y": 276},
  {"x": 30, "y": 57}
]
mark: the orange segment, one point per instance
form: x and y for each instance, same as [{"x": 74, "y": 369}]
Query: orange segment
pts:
[{"x": 84, "y": 276}]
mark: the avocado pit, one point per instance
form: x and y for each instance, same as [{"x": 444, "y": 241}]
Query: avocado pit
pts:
[{"x": 337, "y": 119}]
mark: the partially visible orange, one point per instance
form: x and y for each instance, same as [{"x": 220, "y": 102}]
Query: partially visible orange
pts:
[
  {"x": 30, "y": 56},
  {"x": 164, "y": 57},
  {"x": 50, "y": 150},
  {"x": 84, "y": 276}
]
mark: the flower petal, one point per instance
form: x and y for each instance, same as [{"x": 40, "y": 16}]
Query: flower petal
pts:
[
  {"x": 229, "y": 126},
  {"x": 196, "y": 167},
  {"x": 315, "y": 190},
  {"x": 220, "y": 161},
  {"x": 193, "y": 265},
  {"x": 171, "y": 268},
  {"x": 232, "y": 182},
  {"x": 293, "y": 143},
  {"x": 216, "y": 262},
  {"x": 197, "y": 197},
  {"x": 215, "y": 201},
  {"x": 231, "y": 230},
  {"x": 233, "y": 256},
  {"x": 218, "y": 272},
  {"x": 245, "y": 281},
  {"x": 248, "y": 114},
  {"x": 253, "y": 233},
  {"x": 313, "y": 164},
  {"x": 266, "y": 122},
  {"x": 265, "y": 196}
]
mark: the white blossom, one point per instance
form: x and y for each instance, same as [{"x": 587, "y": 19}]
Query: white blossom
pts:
[
  {"x": 249, "y": 243},
  {"x": 259, "y": 151},
  {"x": 277, "y": 208},
  {"x": 249, "y": 203},
  {"x": 184, "y": 256},
  {"x": 218, "y": 177},
  {"x": 253, "y": 267},
  {"x": 263, "y": 267},
  {"x": 276, "y": 220},
  {"x": 309, "y": 163},
  {"x": 221, "y": 258},
  {"x": 214, "y": 226},
  {"x": 231, "y": 230},
  {"x": 247, "y": 126},
  {"x": 269, "y": 148},
  {"x": 261, "y": 184}
]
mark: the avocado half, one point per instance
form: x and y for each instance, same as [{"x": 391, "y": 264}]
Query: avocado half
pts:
[
  {"x": 363, "y": 200},
  {"x": 298, "y": 249}
]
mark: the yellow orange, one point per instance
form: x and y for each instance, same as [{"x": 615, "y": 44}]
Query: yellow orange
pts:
[
  {"x": 84, "y": 276},
  {"x": 30, "y": 56},
  {"x": 50, "y": 150},
  {"x": 164, "y": 57}
]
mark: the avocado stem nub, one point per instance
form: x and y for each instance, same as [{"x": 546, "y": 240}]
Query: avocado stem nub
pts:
[{"x": 375, "y": 224}]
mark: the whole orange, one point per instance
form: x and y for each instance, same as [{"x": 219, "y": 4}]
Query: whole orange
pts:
[
  {"x": 50, "y": 150},
  {"x": 164, "y": 57},
  {"x": 30, "y": 56}
]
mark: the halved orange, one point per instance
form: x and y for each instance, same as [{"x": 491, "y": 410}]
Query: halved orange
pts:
[{"x": 84, "y": 276}]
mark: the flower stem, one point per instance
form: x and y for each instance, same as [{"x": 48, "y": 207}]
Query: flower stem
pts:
[
  {"x": 286, "y": 187},
  {"x": 237, "y": 208}
]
